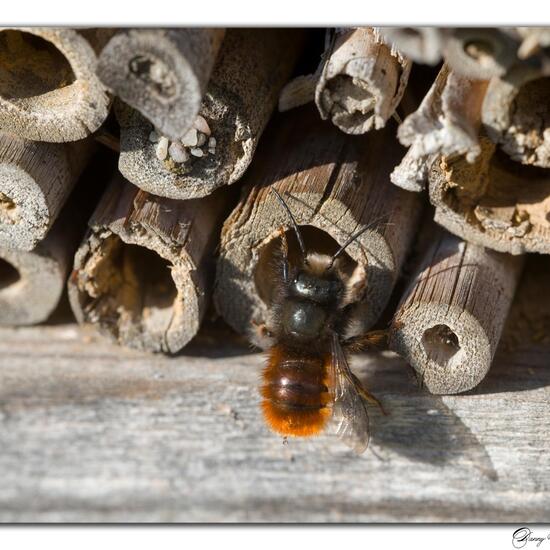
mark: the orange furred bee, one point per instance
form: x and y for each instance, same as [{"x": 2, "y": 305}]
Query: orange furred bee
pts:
[{"x": 307, "y": 382}]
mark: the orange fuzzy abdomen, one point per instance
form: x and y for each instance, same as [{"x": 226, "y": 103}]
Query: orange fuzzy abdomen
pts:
[{"x": 296, "y": 400}]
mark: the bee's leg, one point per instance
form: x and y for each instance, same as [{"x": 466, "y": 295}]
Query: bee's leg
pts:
[
  {"x": 374, "y": 339},
  {"x": 367, "y": 396}
]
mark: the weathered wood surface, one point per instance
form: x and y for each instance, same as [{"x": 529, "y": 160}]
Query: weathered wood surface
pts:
[
  {"x": 516, "y": 112},
  {"x": 494, "y": 202},
  {"x": 163, "y": 73},
  {"x": 143, "y": 272},
  {"x": 251, "y": 68},
  {"x": 447, "y": 122},
  {"x": 450, "y": 319},
  {"x": 36, "y": 179},
  {"x": 32, "y": 281},
  {"x": 361, "y": 82},
  {"x": 49, "y": 90},
  {"x": 92, "y": 432}
]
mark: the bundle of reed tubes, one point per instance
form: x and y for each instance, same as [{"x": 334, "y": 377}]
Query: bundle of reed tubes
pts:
[
  {"x": 32, "y": 281},
  {"x": 193, "y": 114},
  {"x": 251, "y": 68}
]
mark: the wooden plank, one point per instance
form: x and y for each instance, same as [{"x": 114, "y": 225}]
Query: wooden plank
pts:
[{"x": 90, "y": 432}]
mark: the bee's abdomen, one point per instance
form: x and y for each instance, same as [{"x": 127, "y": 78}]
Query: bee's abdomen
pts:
[{"x": 295, "y": 394}]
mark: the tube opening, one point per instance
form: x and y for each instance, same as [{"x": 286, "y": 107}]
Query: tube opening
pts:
[
  {"x": 31, "y": 66},
  {"x": 9, "y": 275},
  {"x": 129, "y": 285},
  {"x": 349, "y": 101},
  {"x": 441, "y": 344}
]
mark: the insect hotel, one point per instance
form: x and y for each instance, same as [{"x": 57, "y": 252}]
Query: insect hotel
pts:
[{"x": 290, "y": 275}]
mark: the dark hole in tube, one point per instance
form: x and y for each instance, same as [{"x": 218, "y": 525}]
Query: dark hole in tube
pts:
[
  {"x": 31, "y": 66},
  {"x": 441, "y": 344},
  {"x": 8, "y": 274}
]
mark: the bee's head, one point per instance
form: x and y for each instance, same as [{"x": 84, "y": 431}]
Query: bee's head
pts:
[{"x": 317, "y": 280}]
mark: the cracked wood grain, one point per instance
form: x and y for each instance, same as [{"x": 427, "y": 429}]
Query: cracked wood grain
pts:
[
  {"x": 36, "y": 179},
  {"x": 142, "y": 274},
  {"x": 494, "y": 202},
  {"x": 32, "y": 281},
  {"x": 447, "y": 123},
  {"x": 450, "y": 319},
  {"x": 516, "y": 113},
  {"x": 91, "y": 432}
]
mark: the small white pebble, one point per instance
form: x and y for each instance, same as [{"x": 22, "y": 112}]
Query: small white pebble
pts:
[
  {"x": 190, "y": 138},
  {"x": 432, "y": 412},
  {"x": 162, "y": 148},
  {"x": 196, "y": 152},
  {"x": 212, "y": 143},
  {"x": 153, "y": 137},
  {"x": 201, "y": 125},
  {"x": 201, "y": 139},
  {"x": 157, "y": 72},
  {"x": 212, "y": 151},
  {"x": 177, "y": 152}
]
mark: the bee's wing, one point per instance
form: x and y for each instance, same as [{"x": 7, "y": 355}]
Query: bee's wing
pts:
[{"x": 349, "y": 415}]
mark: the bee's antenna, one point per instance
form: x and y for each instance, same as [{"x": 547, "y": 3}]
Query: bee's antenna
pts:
[
  {"x": 353, "y": 238},
  {"x": 294, "y": 224}
]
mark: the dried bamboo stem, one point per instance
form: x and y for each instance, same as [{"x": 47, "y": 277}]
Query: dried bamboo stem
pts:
[
  {"x": 141, "y": 274},
  {"x": 163, "y": 73},
  {"x": 334, "y": 184},
  {"x": 449, "y": 322},
  {"x": 447, "y": 123},
  {"x": 252, "y": 66},
  {"x": 36, "y": 179},
  {"x": 479, "y": 53},
  {"x": 516, "y": 112},
  {"x": 494, "y": 202},
  {"x": 32, "y": 282},
  {"x": 24, "y": 278},
  {"x": 361, "y": 82},
  {"x": 48, "y": 87},
  {"x": 420, "y": 44}
]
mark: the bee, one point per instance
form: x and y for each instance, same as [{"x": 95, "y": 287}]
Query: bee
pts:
[{"x": 307, "y": 382}]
